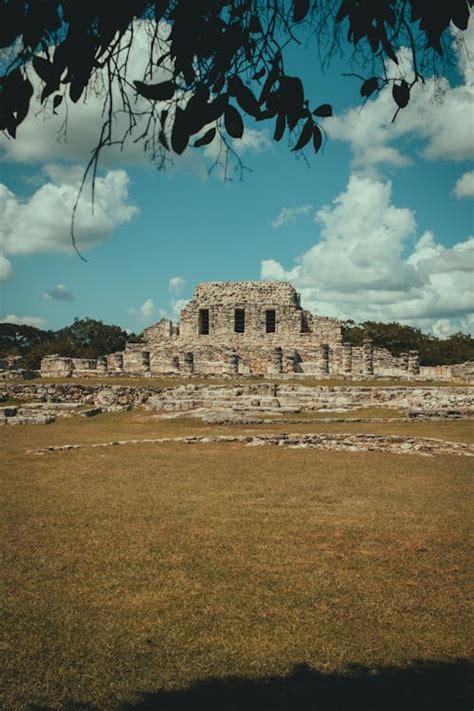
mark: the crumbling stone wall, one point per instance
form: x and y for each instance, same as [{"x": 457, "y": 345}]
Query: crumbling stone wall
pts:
[
  {"x": 458, "y": 371},
  {"x": 243, "y": 327},
  {"x": 280, "y": 396}
]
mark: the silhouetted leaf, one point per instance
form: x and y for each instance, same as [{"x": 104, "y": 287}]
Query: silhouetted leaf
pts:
[
  {"x": 279, "y": 127},
  {"x": 246, "y": 100},
  {"x": 156, "y": 92},
  {"x": 300, "y": 10},
  {"x": 48, "y": 89},
  {"x": 233, "y": 122},
  {"x": 179, "y": 134},
  {"x": 160, "y": 8},
  {"x": 305, "y": 135},
  {"x": 44, "y": 69},
  {"x": 219, "y": 85},
  {"x": 216, "y": 108},
  {"x": 273, "y": 102},
  {"x": 11, "y": 126},
  {"x": 374, "y": 39},
  {"x": 323, "y": 111},
  {"x": 343, "y": 11},
  {"x": 270, "y": 80},
  {"x": 292, "y": 99},
  {"x": 401, "y": 94},
  {"x": 255, "y": 26},
  {"x": 75, "y": 91},
  {"x": 197, "y": 110},
  {"x": 388, "y": 48},
  {"x": 23, "y": 97},
  {"x": 57, "y": 100},
  {"x": 460, "y": 14},
  {"x": 207, "y": 138},
  {"x": 369, "y": 86},
  {"x": 317, "y": 138}
]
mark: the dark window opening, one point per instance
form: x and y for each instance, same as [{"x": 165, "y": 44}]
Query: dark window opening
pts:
[
  {"x": 304, "y": 324},
  {"x": 204, "y": 322},
  {"x": 239, "y": 320},
  {"x": 270, "y": 321}
]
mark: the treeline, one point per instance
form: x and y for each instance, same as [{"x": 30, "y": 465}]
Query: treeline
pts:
[
  {"x": 88, "y": 338},
  {"x": 457, "y": 348},
  {"x": 84, "y": 338}
]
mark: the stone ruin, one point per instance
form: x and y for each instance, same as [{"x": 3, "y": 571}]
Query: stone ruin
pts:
[{"x": 244, "y": 328}]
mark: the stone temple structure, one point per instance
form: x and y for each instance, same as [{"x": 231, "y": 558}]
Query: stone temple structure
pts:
[{"x": 243, "y": 327}]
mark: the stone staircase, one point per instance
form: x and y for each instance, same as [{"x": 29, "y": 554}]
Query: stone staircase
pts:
[{"x": 279, "y": 399}]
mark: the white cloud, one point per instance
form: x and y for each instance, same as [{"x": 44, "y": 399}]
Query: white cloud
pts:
[
  {"x": 465, "y": 185},
  {"x": 146, "y": 309},
  {"x": 360, "y": 268},
  {"x": 42, "y": 222},
  {"x": 252, "y": 140},
  {"x": 176, "y": 284},
  {"x": 177, "y": 305},
  {"x": 59, "y": 293},
  {"x": 442, "y": 328},
  {"x": 289, "y": 214},
  {"x": 467, "y": 324},
  {"x": 5, "y": 268},
  {"x": 437, "y": 113},
  {"x": 174, "y": 311},
  {"x": 36, "y": 321}
]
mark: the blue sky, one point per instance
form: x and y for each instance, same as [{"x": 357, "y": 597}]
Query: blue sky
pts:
[{"x": 378, "y": 226}]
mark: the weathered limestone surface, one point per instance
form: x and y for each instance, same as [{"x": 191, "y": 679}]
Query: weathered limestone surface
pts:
[
  {"x": 388, "y": 444},
  {"x": 244, "y": 327},
  {"x": 278, "y": 398},
  {"x": 18, "y": 374}
]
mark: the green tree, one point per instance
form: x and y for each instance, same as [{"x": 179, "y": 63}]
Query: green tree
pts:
[
  {"x": 86, "y": 338},
  {"x": 89, "y": 338},
  {"x": 17, "y": 339},
  {"x": 398, "y": 338}
]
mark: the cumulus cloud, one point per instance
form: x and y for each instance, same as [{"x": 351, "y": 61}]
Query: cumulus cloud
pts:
[
  {"x": 5, "y": 268},
  {"x": 366, "y": 265},
  {"x": 59, "y": 293},
  {"x": 437, "y": 114},
  {"x": 176, "y": 284},
  {"x": 177, "y": 305},
  {"x": 146, "y": 309},
  {"x": 41, "y": 222},
  {"x": 173, "y": 312},
  {"x": 143, "y": 312},
  {"x": 465, "y": 185},
  {"x": 289, "y": 214},
  {"x": 36, "y": 321},
  {"x": 253, "y": 140}
]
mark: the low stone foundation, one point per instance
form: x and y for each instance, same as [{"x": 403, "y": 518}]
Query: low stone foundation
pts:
[
  {"x": 262, "y": 397},
  {"x": 388, "y": 444}
]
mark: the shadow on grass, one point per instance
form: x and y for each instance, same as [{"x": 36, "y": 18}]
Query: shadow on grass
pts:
[{"x": 423, "y": 685}]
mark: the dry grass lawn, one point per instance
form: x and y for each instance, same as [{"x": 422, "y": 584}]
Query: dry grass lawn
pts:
[{"x": 228, "y": 577}]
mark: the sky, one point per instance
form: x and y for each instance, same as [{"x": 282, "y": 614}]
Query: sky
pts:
[{"x": 378, "y": 226}]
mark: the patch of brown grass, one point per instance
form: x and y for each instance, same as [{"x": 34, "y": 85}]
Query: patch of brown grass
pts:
[{"x": 153, "y": 567}]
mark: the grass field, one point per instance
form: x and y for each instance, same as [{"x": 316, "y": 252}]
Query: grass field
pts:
[{"x": 225, "y": 577}]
